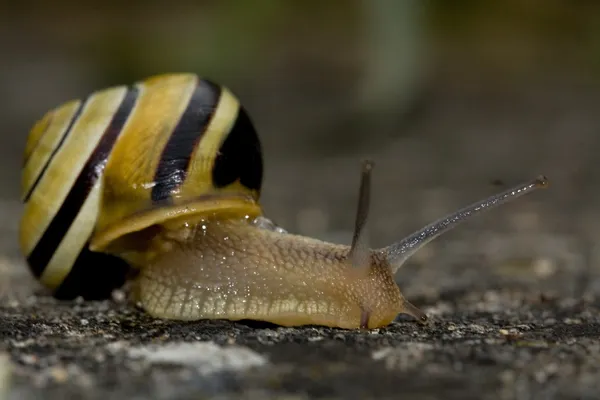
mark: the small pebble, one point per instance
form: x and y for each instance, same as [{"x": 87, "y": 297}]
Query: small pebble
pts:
[
  {"x": 59, "y": 374},
  {"x": 118, "y": 296}
]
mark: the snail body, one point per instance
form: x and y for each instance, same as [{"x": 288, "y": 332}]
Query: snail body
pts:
[{"x": 159, "y": 182}]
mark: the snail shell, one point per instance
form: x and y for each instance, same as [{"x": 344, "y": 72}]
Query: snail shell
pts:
[
  {"x": 122, "y": 160},
  {"x": 160, "y": 182}
]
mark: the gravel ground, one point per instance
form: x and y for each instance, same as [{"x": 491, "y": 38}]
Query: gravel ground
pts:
[
  {"x": 513, "y": 297},
  {"x": 491, "y": 344}
]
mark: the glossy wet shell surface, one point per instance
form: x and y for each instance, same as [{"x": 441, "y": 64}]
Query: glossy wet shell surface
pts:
[{"x": 123, "y": 159}]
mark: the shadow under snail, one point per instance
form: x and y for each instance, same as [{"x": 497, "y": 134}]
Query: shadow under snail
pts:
[{"x": 163, "y": 178}]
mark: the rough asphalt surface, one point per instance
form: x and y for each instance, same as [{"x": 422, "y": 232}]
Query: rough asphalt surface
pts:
[
  {"x": 493, "y": 344},
  {"x": 513, "y": 297}
]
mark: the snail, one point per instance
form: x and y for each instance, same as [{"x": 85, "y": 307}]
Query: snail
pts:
[{"x": 158, "y": 183}]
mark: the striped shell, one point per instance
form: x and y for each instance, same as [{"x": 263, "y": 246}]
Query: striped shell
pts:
[{"x": 125, "y": 159}]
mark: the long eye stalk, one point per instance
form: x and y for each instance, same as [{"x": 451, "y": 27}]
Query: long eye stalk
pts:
[
  {"x": 359, "y": 251},
  {"x": 399, "y": 252}
]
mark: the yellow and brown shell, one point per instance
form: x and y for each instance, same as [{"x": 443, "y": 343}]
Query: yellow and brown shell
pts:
[{"x": 122, "y": 160}]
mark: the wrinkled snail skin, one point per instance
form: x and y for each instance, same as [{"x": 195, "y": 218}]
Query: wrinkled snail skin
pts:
[
  {"x": 230, "y": 269},
  {"x": 159, "y": 183}
]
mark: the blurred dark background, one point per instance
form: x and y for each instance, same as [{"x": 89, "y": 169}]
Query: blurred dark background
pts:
[{"x": 450, "y": 98}]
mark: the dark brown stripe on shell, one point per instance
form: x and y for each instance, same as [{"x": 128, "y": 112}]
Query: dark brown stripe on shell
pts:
[
  {"x": 93, "y": 169},
  {"x": 36, "y": 144},
  {"x": 175, "y": 159},
  {"x": 60, "y": 143},
  {"x": 240, "y": 156}
]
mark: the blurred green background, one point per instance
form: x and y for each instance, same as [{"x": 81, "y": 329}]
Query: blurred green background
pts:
[{"x": 445, "y": 96}]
